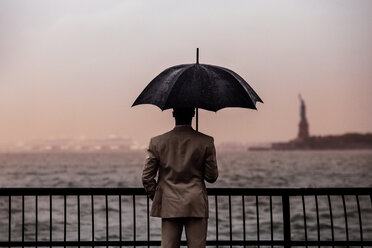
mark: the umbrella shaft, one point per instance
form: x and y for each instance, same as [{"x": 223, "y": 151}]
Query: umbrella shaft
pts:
[
  {"x": 197, "y": 119},
  {"x": 197, "y": 55}
]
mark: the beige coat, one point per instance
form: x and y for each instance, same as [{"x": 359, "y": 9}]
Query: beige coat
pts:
[{"x": 183, "y": 159}]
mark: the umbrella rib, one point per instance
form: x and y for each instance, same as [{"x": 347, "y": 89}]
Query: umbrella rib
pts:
[
  {"x": 139, "y": 99},
  {"x": 253, "y": 98},
  {"x": 175, "y": 81}
]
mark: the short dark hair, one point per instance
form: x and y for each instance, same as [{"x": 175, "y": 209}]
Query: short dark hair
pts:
[{"x": 183, "y": 113}]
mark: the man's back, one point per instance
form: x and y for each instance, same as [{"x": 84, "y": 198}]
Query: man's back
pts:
[{"x": 184, "y": 159}]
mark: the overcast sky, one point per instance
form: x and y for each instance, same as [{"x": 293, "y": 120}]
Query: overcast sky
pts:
[{"x": 73, "y": 68}]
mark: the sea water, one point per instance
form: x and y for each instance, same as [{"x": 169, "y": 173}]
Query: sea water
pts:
[{"x": 251, "y": 169}]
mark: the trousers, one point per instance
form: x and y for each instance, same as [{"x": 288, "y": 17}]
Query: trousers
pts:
[{"x": 196, "y": 232}]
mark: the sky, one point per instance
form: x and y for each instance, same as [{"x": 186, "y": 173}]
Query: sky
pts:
[{"x": 73, "y": 69}]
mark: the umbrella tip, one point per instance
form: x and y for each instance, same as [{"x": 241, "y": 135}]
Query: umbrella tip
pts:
[{"x": 197, "y": 55}]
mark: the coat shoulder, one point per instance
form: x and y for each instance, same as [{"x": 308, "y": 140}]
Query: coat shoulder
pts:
[
  {"x": 159, "y": 137},
  {"x": 204, "y": 137}
]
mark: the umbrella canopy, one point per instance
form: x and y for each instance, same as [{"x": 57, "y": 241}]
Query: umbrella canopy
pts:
[
  {"x": 197, "y": 85},
  {"x": 203, "y": 86}
]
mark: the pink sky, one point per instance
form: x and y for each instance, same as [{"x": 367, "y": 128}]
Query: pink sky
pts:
[{"x": 73, "y": 68}]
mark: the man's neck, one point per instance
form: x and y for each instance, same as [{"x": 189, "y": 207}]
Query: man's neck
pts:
[{"x": 183, "y": 124}]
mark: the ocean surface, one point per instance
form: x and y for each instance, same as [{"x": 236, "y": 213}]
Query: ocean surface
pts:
[{"x": 253, "y": 169}]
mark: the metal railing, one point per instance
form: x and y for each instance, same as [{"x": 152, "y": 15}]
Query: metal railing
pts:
[{"x": 286, "y": 208}]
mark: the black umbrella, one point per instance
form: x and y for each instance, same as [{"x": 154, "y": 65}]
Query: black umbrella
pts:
[{"x": 197, "y": 85}]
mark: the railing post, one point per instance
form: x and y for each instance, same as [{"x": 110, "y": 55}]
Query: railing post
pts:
[
  {"x": 23, "y": 220},
  {"x": 230, "y": 221},
  {"x": 10, "y": 220},
  {"x": 286, "y": 221},
  {"x": 50, "y": 219},
  {"x": 216, "y": 207}
]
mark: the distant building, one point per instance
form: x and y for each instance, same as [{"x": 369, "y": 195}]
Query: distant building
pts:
[{"x": 303, "y": 126}]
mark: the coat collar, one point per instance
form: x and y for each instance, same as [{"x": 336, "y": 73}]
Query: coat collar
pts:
[{"x": 183, "y": 127}]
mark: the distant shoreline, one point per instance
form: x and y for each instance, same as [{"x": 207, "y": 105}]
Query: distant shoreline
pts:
[{"x": 348, "y": 141}]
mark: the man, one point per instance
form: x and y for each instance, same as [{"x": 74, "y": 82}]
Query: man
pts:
[{"x": 183, "y": 159}]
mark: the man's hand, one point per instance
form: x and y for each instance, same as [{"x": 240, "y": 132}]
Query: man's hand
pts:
[{"x": 150, "y": 170}]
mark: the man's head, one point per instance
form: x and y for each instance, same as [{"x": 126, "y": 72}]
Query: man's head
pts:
[{"x": 183, "y": 116}]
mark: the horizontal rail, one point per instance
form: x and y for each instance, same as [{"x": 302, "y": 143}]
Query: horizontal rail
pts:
[
  {"x": 183, "y": 242},
  {"x": 210, "y": 191}
]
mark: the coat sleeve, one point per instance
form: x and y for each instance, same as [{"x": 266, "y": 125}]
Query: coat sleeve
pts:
[
  {"x": 150, "y": 170},
  {"x": 210, "y": 169}
]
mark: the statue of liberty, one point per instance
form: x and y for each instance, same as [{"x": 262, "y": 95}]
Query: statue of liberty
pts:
[{"x": 303, "y": 131}]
